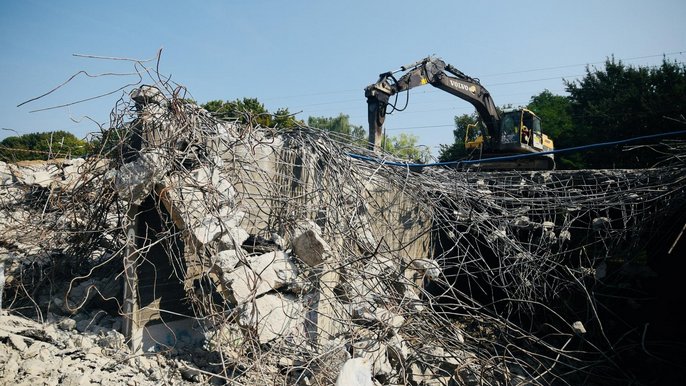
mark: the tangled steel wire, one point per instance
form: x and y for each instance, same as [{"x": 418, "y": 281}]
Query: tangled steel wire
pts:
[{"x": 291, "y": 257}]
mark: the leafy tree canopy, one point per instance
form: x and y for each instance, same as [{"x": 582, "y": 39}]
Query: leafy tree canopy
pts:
[
  {"x": 341, "y": 124},
  {"x": 42, "y": 146},
  {"x": 251, "y": 111},
  {"x": 609, "y": 104},
  {"x": 620, "y": 102},
  {"x": 556, "y": 121},
  {"x": 405, "y": 146}
]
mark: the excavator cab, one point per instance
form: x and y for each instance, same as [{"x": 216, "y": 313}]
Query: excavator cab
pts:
[{"x": 520, "y": 132}]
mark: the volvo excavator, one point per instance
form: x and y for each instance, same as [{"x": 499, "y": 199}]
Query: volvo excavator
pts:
[{"x": 515, "y": 131}]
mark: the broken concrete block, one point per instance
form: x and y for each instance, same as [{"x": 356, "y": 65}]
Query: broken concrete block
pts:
[
  {"x": 418, "y": 375},
  {"x": 428, "y": 266},
  {"x": 381, "y": 265},
  {"x": 233, "y": 235},
  {"x": 206, "y": 230},
  {"x": 548, "y": 226},
  {"x": 362, "y": 312},
  {"x": 273, "y": 316},
  {"x": 439, "y": 356},
  {"x": 74, "y": 379},
  {"x": 578, "y": 327},
  {"x": 72, "y": 171},
  {"x": 6, "y": 176},
  {"x": 112, "y": 340},
  {"x": 226, "y": 260},
  {"x": 366, "y": 313},
  {"x": 207, "y": 225},
  {"x": 600, "y": 223},
  {"x": 147, "y": 94},
  {"x": 42, "y": 178},
  {"x": 227, "y": 337},
  {"x": 564, "y": 236},
  {"x": 34, "y": 366},
  {"x": 355, "y": 372},
  {"x": 411, "y": 300},
  {"x": 311, "y": 248},
  {"x": 497, "y": 235},
  {"x": 375, "y": 353},
  {"x": 203, "y": 202},
  {"x": 134, "y": 180},
  {"x": 262, "y": 274},
  {"x": 18, "y": 342},
  {"x": 389, "y": 319},
  {"x": 67, "y": 324},
  {"x": 522, "y": 222},
  {"x": 277, "y": 240}
]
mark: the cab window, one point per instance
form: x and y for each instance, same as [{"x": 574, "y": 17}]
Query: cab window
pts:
[
  {"x": 537, "y": 125},
  {"x": 508, "y": 128}
]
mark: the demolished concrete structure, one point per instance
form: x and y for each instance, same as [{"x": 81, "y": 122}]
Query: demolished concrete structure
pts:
[
  {"x": 280, "y": 258},
  {"x": 214, "y": 201}
]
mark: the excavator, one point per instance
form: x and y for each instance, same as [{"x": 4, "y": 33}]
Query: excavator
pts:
[{"x": 512, "y": 132}]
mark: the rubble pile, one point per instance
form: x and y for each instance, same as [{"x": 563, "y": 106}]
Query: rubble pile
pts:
[
  {"x": 198, "y": 250},
  {"x": 57, "y": 353}
]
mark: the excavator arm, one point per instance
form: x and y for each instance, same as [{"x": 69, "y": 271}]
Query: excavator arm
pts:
[{"x": 440, "y": 75}]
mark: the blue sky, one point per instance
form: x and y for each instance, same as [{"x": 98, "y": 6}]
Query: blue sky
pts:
[{"x": 316, "y": 57}]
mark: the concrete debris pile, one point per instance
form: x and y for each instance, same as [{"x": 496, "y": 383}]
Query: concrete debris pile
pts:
[
  {"x": 229, "y": 253},
  {"x": 56, "y": 353}
]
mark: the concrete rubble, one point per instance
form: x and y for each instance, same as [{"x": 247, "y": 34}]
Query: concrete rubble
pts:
[
  {"x": 306, "y": 287},
  {"x": 53, "y": 353}
]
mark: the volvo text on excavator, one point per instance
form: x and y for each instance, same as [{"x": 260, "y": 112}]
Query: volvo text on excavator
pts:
[{"x": 516, "y": 131}]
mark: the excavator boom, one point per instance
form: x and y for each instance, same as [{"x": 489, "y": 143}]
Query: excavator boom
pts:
[
  {"x": 432, "y": 71},
  {"x": 517, "y": 131}
]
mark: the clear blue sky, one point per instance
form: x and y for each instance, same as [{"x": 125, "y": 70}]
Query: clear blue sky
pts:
[{"x": 317, "y": 56}]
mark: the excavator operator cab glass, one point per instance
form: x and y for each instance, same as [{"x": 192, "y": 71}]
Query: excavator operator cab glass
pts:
[
  {"x": 531, "y": 130},
  {"x": 527, "y": 127},
  {"x": 537, "y": 125},
  {"x": 509, "y": 128}
]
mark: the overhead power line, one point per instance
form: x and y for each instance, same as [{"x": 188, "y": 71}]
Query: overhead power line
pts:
[
  {"x": 587, "y": 64},
  {"x": 668, "y": 54}
]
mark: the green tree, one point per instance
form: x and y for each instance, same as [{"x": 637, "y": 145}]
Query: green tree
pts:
[
  {"x": 341, "y": 125},
  {"x": 620, "y": 102},
  {"x": 251, "y": 111},
  {"x": 555, "y": 112},
  {"x": 284, "y": 119},
  {"x": 42, "y": 146},
  {"x": 405, "y": 146}
]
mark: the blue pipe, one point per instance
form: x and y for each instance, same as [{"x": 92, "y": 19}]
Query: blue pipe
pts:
[{"x": 517, "y": 156}]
